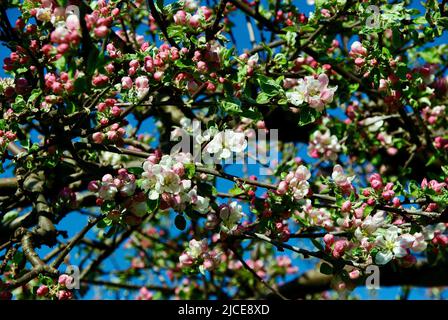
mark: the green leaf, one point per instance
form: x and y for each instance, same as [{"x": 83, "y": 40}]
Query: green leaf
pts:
[
  {"x": 137, "y": 171},
  {"x": 19, "y": 104},
  {"x": 325, "y": 268},
  {"x": 9, "y": 216},
  {"x": 60, "y": 63},
  {"x": 152, "y": 205},
  {"x": 180, "y": 222},
  {"x": 107, "y": 206},
  {"x": 235, "y": 191},
  {"x": 269, "y": 86},
  {"x": 190, "y": 170},
  {"x": 230, "y": 107},
  {"x": 103, "y": 223},
  {"x": 307, "y": 115},
  {"x": 34, "y": 95},
  {"x": 353, "y": 87},
  {"x": 445, "y": 170},
  {"x": 2, "y": 124},
  {"x": 263, "y": 98},
  {"x": 431, "y": 160}
]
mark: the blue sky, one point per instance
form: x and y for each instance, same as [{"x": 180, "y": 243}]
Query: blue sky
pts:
[{"x": 74, "y": 221}]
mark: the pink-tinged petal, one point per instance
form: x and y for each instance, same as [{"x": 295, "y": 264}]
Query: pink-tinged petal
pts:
[{"x": 323, "y": 79}]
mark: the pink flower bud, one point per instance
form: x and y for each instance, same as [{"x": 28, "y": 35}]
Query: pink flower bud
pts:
[
  {"x": 354, "y": 274},
  {"x": 185, "y": 260},
  {"x": 359, "y": 61},
  {"x": 93, "y": 186},
  {"x": 194, "y": 21},
  {"x": 180, "y": 17},
  {"x": 158, "y": 75},
  {"x": 346, "y": 206},
  {"x": 202, "y": 66},
  {"x": 116, "y": 111},
  {"x": 98, "y": 137},
  {"x": 65, "y": 295},
  {"x": 101, "y": 31},
  {"x": 282, "y": 187},
  {"x": 42, "y": 291},
  {"x": 396, "y": 202},
  {"x": 329, "y": 239}
]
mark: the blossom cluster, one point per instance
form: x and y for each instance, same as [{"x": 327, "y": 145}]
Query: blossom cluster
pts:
[
  {"x": 166, "y": 178},
  {"x": 199, "y": 255},
  {"x": 324, "y": 145},
  {"x": 60, "y": 290},
  {"x": 296, "y": 183},
  {"x": 230, "y": 215},
  {"x": 378, "y": 236},
  {"x": 6, "y": 137},
  {"x": 220, "y": 144},
  {"x": 153, "y": 65},
  {"x": 312, "y": 90},
  {"x": 121, "y": 191}
]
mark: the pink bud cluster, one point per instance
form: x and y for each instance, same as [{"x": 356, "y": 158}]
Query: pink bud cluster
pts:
[
  {"x": 102, "y": 18},
  {"x": 65, "y": 35},
  {"x": 341, "y": 180},
  {"x": 6, "y": 137},
  {"x": 144, "y": 294},
  {"x": 59, "y": 290},
  {"x": 433, "y": 114},
  {"x": 285, "y": 263},
  {"x": 114, "y": 133},
  {"x": 59, "y": 84},
  {"x": 337, "y": 247},
  {"x": 441, "y": 143},
  {"x": 358, "y": 52},
  {"x": 199, "y": 254},
  {"x": 386, "y": 191},
  {"x": 433, "y": 185},
  {"x": 68, "y": 197},
  {"x": 108, "y": 108},
  {"x": 282, "y": 231},
  {"x": 17, "y": 58},
  {"x": 109, "y": 186},
  {"x": 184, "y": 18}
]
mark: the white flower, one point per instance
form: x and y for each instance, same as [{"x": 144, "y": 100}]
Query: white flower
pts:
[
  {"x": 301, "y": 190},
  {"x": 313, "y": 91},
  {"x": 324, "y": 145},
  {"x": 419, "y": 243},
  {"x": 340, "y": 178},
  {"x": 392, "y": 245},
  {"x": 43, "y": 14},
  {"x": 302, "y": 173},
  {"x": 170, "y": 182},
  {"x": 196, "y": 248},
  {"x": 430, "y": 231},
  {"x": 372, "y": 223},
  {"x": 110, "y": 158},
  {"x": 295, "y": 97},
  {"x": 161, "y": 177},
  {"x": 230, "y": 216},
  {"x": 224, "y": 143},
  {"x": 373, "y": 123},
  {"x": 202, "y": 204}
]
